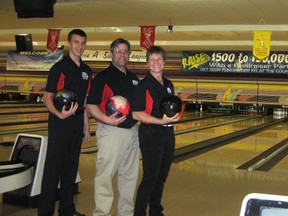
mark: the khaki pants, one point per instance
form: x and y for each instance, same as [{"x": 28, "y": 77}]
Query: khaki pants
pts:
[{"x": 118, "y": 150}]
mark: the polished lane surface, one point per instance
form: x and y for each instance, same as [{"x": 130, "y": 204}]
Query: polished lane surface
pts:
[
  {"x": 214, "y": 181},
  {"x": 209, "y": 184}
]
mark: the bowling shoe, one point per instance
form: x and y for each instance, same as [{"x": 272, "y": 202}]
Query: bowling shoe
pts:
[
  {"x": 78, "y": 214},
  {"x": 75, "y": 214}
]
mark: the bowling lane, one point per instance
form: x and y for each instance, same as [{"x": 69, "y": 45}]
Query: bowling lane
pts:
[
  {"x": 36, "y": 115},
  {"x": 10, "y": 127},
  {"x": 16, "y": 118},
  {"x": 281, "y": 167},
  {"x": 205, "y": 119},
  {"x": 207, "y": 181},
  {"x": 251, "y": 146},
  {"x": 25, "y": 125},
  {"x": 232, "y": 123},
  {"x": 189, "y": 115},
  {"x": 21, "y": 108},
  {"x": 8, "y": 133},
  {"x": 215, "y": 179}
]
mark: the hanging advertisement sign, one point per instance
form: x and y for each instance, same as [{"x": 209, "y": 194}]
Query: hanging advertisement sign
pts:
[
  {"x": 43, "y": 60},
  {"x": 233, "y": 62},
  {"x": 53, "y": 39},
  {"x": 147, "y": 37},
  {"x": 261, "y": 44},
  {"x": 32, "y": 60}
]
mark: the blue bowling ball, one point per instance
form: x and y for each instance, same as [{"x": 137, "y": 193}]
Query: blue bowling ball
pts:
[{"x": 65, "y": 98}]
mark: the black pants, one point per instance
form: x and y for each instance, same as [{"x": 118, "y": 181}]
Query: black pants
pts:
[
  {"x": 157, "y": 145},
  {"x": 61, "y": 164}
]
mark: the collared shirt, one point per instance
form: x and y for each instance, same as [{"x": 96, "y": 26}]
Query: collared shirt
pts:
[
  {"x": 149, "y": 93},
  {"x": 109, "y": 83},
  {"x": 66, "y": 74}
]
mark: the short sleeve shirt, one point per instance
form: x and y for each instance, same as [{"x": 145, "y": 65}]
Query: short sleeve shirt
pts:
[
  {"x": 109, "y": 83},
  {"x": 149, "y": 93},
  {"x": 66, "y": 74}
]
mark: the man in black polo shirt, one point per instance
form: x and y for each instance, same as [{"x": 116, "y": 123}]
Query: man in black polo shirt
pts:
[
  {"x": 65, "y": 128},
  {"x": 117, "y": 138}
]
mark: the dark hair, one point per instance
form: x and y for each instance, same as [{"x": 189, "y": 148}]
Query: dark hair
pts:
[
  {"x": 76, "y": 32},
  {"x": 118, "y": 41},
  {"x": 157, "y": 50}
]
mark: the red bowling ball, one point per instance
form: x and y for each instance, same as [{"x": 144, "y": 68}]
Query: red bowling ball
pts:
[{"x": 117, "y": 104}]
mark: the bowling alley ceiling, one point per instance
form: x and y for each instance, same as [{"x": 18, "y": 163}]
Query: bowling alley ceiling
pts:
[{"x": 197, "y": 24}]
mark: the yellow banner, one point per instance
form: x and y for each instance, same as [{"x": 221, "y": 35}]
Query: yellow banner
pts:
[
  {"x": 100, "y": 55},
  {"x": 261, "y": 44}
]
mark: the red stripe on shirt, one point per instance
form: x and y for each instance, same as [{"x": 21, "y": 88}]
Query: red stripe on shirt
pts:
[
  {"x": 149, "y": 103},
  {"x": 61, "y": 82},
  {"x": 106, "y": 95}
]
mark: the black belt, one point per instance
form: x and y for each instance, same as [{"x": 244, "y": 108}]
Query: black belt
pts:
[
  {"x": 157, "y": 126},
  {"x": 126, "y": 127},
  {"x": 79, "y": 111}
]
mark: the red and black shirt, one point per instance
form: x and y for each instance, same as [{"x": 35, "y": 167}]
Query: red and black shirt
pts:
[
  {"x": 109, "y": 83},
  {"x": 149, "y": 93},
  {"x": 66, "y": 74}
]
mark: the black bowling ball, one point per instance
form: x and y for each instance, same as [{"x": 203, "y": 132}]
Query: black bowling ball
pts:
[
  {"x": 64, "y": 98},
  {"x": 170, "y": 105}
]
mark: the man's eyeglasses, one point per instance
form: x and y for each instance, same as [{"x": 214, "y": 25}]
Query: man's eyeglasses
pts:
[{"x": 121, "y": 51}]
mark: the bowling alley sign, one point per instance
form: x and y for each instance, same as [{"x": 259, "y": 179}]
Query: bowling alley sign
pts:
[{"x": 233, "y": 62}]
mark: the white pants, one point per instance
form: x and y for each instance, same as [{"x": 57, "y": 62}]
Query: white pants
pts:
[{"x": 118, "y": 150}]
